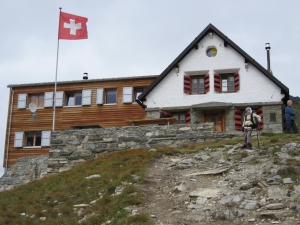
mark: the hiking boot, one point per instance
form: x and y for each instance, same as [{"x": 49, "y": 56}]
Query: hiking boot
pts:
[
  {"x": 249, "y": 146},
  {"x": 244, "y": 146}
]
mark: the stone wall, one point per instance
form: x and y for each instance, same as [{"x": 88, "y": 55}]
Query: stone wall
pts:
[
  {"x": 23, "y": 171},
  {"x": 72, "y": 147}
]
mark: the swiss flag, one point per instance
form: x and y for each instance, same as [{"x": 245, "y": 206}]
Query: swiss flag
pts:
[{"x": 72, "y": 27}]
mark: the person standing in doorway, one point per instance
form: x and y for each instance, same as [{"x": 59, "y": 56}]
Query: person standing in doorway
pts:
[
  {"x": 162, "y": 113},
  {"x": 251, "y": 121},
  {"x": 290, "y": 118}
]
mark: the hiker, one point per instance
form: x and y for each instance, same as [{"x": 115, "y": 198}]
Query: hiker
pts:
[
  {"x": 162, "y": 113},
  {"x": 251, "y": 121},
  {"x": 290, "y": 118}
]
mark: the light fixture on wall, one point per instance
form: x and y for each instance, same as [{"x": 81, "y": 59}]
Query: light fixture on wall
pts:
[
  {"x": 85, "y": 76},
  {"x": 246, "y": 65},
  {"x": 177, "y": 69},
  {"x": 210, "y": 35}
]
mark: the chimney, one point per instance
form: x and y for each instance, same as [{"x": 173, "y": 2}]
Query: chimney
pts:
[{"x": 268, "y": 47}]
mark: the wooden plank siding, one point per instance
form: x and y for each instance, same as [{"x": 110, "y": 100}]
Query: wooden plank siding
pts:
[{"x": 104, "y": 115}]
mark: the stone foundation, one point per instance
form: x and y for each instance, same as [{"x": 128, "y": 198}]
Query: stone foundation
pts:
[{"x": 72, "y": 147}]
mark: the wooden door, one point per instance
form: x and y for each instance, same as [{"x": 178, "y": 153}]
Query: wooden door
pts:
[{"x": 215, "y": 116}]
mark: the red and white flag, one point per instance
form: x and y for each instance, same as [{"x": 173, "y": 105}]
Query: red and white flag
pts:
[{"x": 72, "y": 27}]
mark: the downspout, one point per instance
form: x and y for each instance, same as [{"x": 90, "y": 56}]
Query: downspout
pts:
[{"x": 9, "y": 127}]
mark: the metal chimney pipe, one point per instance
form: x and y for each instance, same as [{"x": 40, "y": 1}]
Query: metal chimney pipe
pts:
[{"x": 268, "y": 47}]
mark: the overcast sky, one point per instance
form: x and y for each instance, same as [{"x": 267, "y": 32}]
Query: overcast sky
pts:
[{"x": 138, "y": 37}]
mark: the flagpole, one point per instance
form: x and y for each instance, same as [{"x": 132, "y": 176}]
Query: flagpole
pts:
[{"x": 55, "y": 85}]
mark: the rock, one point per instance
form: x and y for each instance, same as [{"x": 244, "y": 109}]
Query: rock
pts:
[
  {"x": 93, "y": 176},
  {"x": 296, "y": 193},
  {"x": 205, "y": 157},
  {"x": 81, "y": 205},
  {"x": 246, "y": 186},
  {"x": 292, "y": 205},
  {"x": 210, "y": 172},
  {"x": 152, "y": 150},
  {"x": 251, "y": 205},
  {"x": 298, "y": 208},
  {"x": 240, "y": 213},
  {"x": 287, "y": 181},
  {"x": 248, "y": 158},
  {"x": 42, "y": 218},
  {"x": 205, "y": 192},
  {"x": 180, "y": 188},
  {"x": 251, "y": 220},
  {"x": 275, "y": 192},
  {"x": 237, "y": 198},
  {"x": 229, "y": 215},
  {"x": 276, "y": 177},
  {"x": 226, "y": 199},
  {"x": 275, "y": 206},
  {"x": 201, "y": 200},
  {"x": 283, "y": 155}
]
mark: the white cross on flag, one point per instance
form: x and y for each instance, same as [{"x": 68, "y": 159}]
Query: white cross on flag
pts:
[{"x": 72, "y": 27}]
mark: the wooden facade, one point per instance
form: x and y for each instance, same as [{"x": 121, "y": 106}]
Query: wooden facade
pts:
[{"x": 104, "y": 115}]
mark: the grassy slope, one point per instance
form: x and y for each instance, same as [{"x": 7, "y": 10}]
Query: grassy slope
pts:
[{"x": 53, "y": 197}]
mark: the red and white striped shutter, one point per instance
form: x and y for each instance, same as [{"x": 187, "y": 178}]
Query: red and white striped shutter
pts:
[
  {"x": 238, "y": 119},
  {"x": 236, "y": 81},
  {"x": 206, "y": 83},
  {"x": 188, "y": 117},
  {"x": 217, "y": 82},
  {"x": 187, "y": 84},
  {"x": 259, "y": 112}
]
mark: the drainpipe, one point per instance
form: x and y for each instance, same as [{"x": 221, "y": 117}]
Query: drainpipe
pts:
[
  {"x": 9, "y": 127},
  {"x": 268, "y": 47}
]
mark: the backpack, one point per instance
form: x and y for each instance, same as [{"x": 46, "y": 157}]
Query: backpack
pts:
[{"x": 254, "y": 125}]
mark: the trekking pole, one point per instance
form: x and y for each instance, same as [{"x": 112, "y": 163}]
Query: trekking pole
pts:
[{"x": 257, "y": 137}]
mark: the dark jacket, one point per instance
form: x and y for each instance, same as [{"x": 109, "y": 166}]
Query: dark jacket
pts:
[{"x": 289, "y": 113}]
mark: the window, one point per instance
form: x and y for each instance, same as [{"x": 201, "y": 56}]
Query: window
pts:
[
  {"x": 272, "y": 117},
  {"x": 180, "y": 117},
  {"x": 37, "y": 99},
  {"x": 33, "y": 139},
  {"x": 110, "y": 96},
  {"x": 73, "y": 98},
  {"x": 198, "y": 85},
  {"x": 137, "y": 92},
  {"x": 211, "y": 52},
  {"x": 227, "y": 83}
]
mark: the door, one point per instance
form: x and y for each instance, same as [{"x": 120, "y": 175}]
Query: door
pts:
[{"x": 215, "y": 116}]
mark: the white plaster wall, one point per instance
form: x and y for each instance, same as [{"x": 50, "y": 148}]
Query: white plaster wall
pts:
[{"x": 254, "y": 86}]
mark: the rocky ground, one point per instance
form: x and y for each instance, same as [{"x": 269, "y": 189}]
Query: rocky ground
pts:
[{"x": 227, "y": 185}]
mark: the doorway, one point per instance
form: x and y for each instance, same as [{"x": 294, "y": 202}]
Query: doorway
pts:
[{"x": 215, "y": 116}]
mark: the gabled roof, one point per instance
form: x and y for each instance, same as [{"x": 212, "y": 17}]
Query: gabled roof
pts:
[{"x": 227, "y": 41}]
